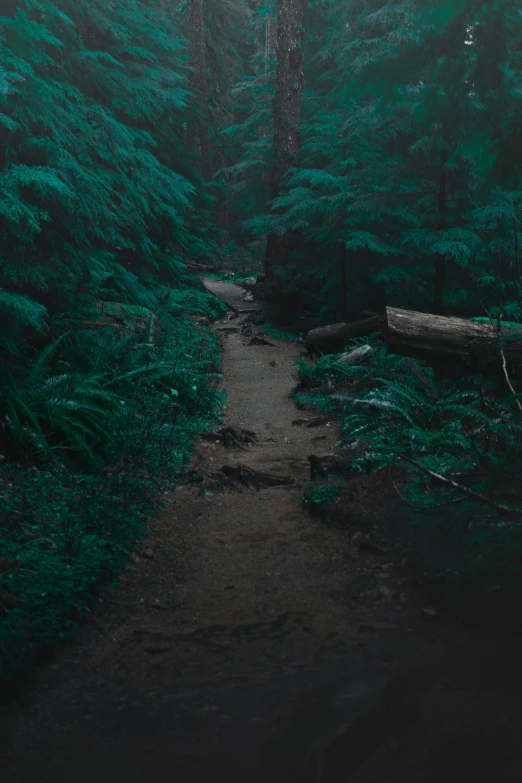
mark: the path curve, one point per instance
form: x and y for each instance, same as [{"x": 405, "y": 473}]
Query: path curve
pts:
[{"x": 231, "y": 293}]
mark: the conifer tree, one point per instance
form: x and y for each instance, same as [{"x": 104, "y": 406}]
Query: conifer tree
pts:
[
  {"x": 93, "y": 192},
  {"x": 250, "y": 137},
  {"x": 287, "y": 112},
  {"x": 399, "y": 158}
]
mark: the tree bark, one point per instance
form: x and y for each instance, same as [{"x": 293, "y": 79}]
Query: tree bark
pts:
[
  {"x": 436, "y": 338},
  {"x": 333, "y": 338},
  {"x": 287, "y": 110},
  {"x": 198, "y": 86}
]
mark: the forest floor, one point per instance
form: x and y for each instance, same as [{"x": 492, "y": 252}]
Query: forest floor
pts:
[{"x": 240, "y": 605}]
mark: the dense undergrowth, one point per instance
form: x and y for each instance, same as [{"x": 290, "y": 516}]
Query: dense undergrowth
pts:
[
  {"x": 451, "y": 447},
  {"x": 106, "y": 376},
  {"x": 99, "y": 425}
]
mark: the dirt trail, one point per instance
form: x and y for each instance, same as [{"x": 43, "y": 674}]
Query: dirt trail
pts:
[{"x": 242, "y": 605}]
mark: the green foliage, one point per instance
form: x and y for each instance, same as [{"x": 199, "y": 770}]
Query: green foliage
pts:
[
  {"x": 107, "y": 418},
  {"x": 400, "y": 415},
  {"x": 96, "y": 196},
  {"x": 321, "y": 497},
  {"x": 410, "y": 155},
  {"x": 410, "y": 152},
  {"x": 63, "y": 535},
  {"x": 105, "y": 376},
  {"x": 410, "y": 161},
  {"x": 285, "y": 334},
  {"x": 100, "y": 396},
  {"x": 249, "y": 138}
]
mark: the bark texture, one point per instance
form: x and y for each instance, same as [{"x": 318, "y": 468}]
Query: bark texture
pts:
[
  {"x": 287, "y": 109},
  {"x": 436, "y": 338}
]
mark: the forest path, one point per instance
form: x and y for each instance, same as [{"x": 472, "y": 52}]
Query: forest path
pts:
[
  {"x": 231, "y": 293},
  {"x": 241, "y": 604}
]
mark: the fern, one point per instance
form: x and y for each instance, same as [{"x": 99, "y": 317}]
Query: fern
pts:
[{"x": 399, "y": 414}]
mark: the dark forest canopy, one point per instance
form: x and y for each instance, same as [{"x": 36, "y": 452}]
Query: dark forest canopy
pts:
[{"x": 137, "y": 135}]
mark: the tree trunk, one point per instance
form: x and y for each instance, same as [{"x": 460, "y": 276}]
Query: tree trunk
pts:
[
  {"x": 436, "y": 338},
  {"x": 287, "y": 109},
  {"x": 440, "y": 261},
  {"x": 333, "y": 338},
  {"x": 198, "y": 85}
]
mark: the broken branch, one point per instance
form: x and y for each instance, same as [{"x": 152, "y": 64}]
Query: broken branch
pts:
[{"x": 467, "y": 490}]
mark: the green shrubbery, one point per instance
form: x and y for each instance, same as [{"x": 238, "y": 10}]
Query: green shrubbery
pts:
[
  {"x": 458, "y": 441},
  {"x": 63, "y": 533},
  {"x": 105, "y": 376},
  {"x": 100, "y": 422}
]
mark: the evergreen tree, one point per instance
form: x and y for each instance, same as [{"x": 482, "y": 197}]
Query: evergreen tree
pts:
[
  {"x": 250, "y": 138},
  {"x": 91, "y": 139},
  {"x": 287, "y": 112},
  {"x": 104, "y": 380}
]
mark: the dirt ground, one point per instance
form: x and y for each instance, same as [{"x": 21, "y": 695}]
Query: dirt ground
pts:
[{"x": 241, "y": 606}]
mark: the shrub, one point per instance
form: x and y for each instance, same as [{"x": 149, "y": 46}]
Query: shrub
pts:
[
  {"x": 98, "y": 424},
  {"x": 459, "y": 441}
]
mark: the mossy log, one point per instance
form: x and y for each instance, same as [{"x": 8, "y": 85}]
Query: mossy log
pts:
[{"x": 437, "y": 338}]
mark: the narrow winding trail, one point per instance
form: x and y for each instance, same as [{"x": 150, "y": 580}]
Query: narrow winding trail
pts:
[{"x": 241, "y": 605}]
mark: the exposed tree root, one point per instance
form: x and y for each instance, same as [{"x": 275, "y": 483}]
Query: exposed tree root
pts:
[
  {"x": 258, "y": 339},
  {"x": 228, "y": 476},
  {"x": 249, "y": 329},
  {"x": 318, "y": 421},
  {"x": 232, "y": 437}
]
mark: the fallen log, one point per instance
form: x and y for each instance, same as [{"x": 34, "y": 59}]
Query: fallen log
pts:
[
  {"x": 334, "y": 337},
  {"x": 438, "y": 338}
]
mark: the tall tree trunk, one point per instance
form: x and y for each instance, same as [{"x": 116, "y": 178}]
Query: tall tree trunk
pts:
[
  {"x": 198, "y": 85},
  {"x": 287, "y": 110},
  {"x": 440, "y": 261}
]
